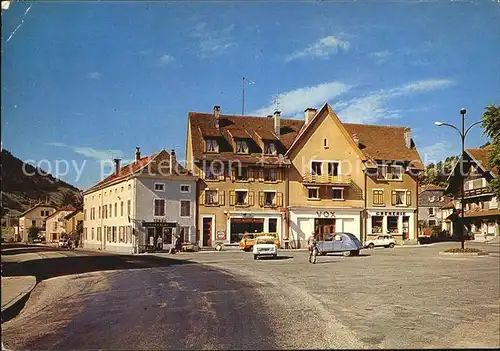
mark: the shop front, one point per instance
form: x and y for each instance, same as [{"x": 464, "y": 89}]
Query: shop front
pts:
[
  {"x": 240, "y": 223},
  {"x": 155, "y": 230},
  {"x": 304, "y": 222},
  {"x": 398, "y": 223}
]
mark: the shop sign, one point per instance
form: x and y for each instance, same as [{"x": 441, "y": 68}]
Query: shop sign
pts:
[
  {"x": 325, "y": 214},
  {"x": 220, "y": 235},
  {"x": 159, "y": 224},
  {"x": 388, "y": 213}
]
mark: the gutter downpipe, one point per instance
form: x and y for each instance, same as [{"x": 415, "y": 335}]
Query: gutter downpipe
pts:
[
  {"x": 287, "y": 203},
  {"x": 365, "y": 212}
]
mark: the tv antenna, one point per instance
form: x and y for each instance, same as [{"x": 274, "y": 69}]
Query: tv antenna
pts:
[
  {"x": 276, "y": 101},
  {"x": 243, "y": 80}
]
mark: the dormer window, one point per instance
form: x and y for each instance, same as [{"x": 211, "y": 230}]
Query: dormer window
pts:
[
  {"x": 270, "y": 149},
  {"x": 211, "y": 145},
  {"x": 241, "y": 147}
]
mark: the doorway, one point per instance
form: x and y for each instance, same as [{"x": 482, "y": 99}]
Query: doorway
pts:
[
  {"x": 323, "y": 227},
  {"x": 207, "y": 231},
  {"x": 239, "y": 226}
]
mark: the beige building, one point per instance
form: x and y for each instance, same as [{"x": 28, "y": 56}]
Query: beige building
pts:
[
  {"x": 56, "y": 224},
  {"x": 73, "y": 220},
  {"x": 34, "y": 217},
  {"x": 299, "y": 177}
]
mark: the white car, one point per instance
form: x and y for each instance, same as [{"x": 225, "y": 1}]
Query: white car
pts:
[
  {"x": 63, "y": 243},
  {"x": 386, "y": 240},
  {"x": 265, "y": 246}
]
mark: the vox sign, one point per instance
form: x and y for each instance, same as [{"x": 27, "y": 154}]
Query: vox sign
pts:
[{"x": 326, "y": 214}]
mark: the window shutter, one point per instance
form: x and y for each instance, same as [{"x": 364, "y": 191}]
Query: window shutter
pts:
[
  {"x": 222, "y": 175},
  {"x": 261, "y": 174},
  {"x": 261, "y": 198},
  {"x": 251, "y": 172},
  {"x": 233, "y": 173},
  {"x": 408, "y": 198},
  {"x": 251, "y": 200},
  {"x": 222, "y": 198},
  {"x": 394, "y": 201},
  {"x": 231, "y": 198},
  {"x": 279, "y": 174},
  {"x": 202, "y": 198},
  {"x": 279, "y": 199}
]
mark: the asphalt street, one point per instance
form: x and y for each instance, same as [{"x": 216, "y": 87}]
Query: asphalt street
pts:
[{"x": 386, "y": 298}]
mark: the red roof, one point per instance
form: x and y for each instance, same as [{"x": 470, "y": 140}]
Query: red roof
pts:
[
  {"x": 481, "y": 155},
  {"x": 430, "y": 187},
  {"x": 449, "y": 205}
]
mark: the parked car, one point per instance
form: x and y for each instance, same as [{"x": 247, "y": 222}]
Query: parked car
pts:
[
  {"x": 248, "y": 240},
  {"x": 265, "y": 246},
  {"x": 346, "y": 243},
  {"x": 63, "y": 243},
  {"x": 386, "y": 240}
]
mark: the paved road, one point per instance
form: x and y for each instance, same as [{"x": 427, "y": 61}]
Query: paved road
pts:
[{"x": 400, "y": 298}]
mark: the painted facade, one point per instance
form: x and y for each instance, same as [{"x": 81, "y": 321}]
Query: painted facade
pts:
[
  {"x": 56, "y": 225},
  {"x": 35, "y": 216}
]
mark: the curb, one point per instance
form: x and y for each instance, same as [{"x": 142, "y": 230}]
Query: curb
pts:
[
  {"x": 464, "y": 254},
  {"x": 12, "y": 309}
]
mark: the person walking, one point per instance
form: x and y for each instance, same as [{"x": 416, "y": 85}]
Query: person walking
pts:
[{"x": 159, "y": 243}]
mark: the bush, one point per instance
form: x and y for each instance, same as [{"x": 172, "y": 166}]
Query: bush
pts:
[{"x": 465, "y": 250}]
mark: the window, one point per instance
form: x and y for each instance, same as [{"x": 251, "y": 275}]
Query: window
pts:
[
  {"x": 159, "y": 209},
  {"x": 44, "y": 223},
  {"x": 401, "y": 198},
  {"x": 185, "y": 188},
  {"x": 395, "y": 172},
  {"x": 184, "y": 234},
  {"x": 242, "y": 173},
  {"x": 392, "y": 224},
  {"x": 185, "y": 208},
  {"x": 92, "y": 233},
  {"x": 441, "y": 198},
  {"x": 121, "y": 234},
  {"x": 113, "y": 234},
  {"x": 325, "y": 143},
  {"x": 270, "y": 149},
  {"x": 122, "y": 189},
  {"x": 432, "y": 222},
  {"x": 116, "y": 209},
  {"x": 212, "y": 172},
  {"x": 316, "y": 168},
  {"x": 377, "y": 224},
  {"x": 107, "y": 230},
  {"x": 269, "y": 198},
  {"x": 337, "y": 194},
  {"x": 273, "y": 225},
  {"x": 241, "y": 197},
  {"x": 42, "y": 213},
  {"x": 333, "y": 169},
  {"x": 128, "y": 207},
  {"x": 99, "y": 212},
  {"x": 211, "y": 145},
  {"x": 121, "y": 208},
  {"x": 110, "y": 210},
  {"x": 381, "y": 172},
  {"x": 378, "y": 197},
  {"x": 211, "y": 197},
  {"x": 99, "y": 234},
  {"x": 431, "y": 198},
  {"x": 85, "y": 234},
  {"x": 54, "y": 227},
  {"x": 270, "y": 174},
  {"x": 241, "y": 147},
  {"x": 313, "y": 193},
  {"x": 431, "y": 211},
  {"x": 129, "y": 186},
  {"x": 160, "y": 187},
  {"x": 85, "y": 214}
]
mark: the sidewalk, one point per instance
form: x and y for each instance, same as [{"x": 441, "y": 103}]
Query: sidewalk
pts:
[{"x": 14, "y": 290}]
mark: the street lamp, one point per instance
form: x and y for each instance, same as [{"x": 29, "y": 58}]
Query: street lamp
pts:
[{"x": 463, "y": 134}]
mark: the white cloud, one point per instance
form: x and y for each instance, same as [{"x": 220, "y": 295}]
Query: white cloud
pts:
[
  {"x": 436, "y": 152},
  {"x": 94, "y": 75},
  {"x": 380, "y": 56},
  {"x": 165, "y": 59},
  {"x": 324, "y": 47},
  {"x": 213, "y": 42},
  {"x": 295, "y": 101},
  {"x": 99, "y": 155},
  {"x": 373, "y": 107}
]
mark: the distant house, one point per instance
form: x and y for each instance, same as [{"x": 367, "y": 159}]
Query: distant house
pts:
[
  {"x": 482, "y": 212},
  {"x": 73, "y": 220},
  {"x": 34, "y": 217},
  {"x": 56, "y": 225},
  {"x": 447, "y": 212},
  {"x": 431, "y": 198}
]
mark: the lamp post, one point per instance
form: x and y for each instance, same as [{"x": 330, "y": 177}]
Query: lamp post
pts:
[{"x": 463, "y": 134}]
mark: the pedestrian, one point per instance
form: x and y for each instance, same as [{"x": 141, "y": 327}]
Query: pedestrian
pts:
[
  {"x": 178, "y": 244},
  {"x": 159, "y": 243}
]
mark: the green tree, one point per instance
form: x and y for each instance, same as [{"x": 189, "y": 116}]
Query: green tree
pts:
[
  {"x": 33, "y": 233},
  {"x": 491, "y": 125}
]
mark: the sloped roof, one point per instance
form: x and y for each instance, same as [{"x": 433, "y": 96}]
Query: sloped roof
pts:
[
  {"x": 448, "y": 205},
  {"x": 430, "y": 187},
  {"x": 68, "y": 208},
  {"x": 481, "y": 156},
  {"x": 138, "y": 165},
  {"x": 72, "y": 214},
  {"x": 385, "y": 143},
  {"x": 481, "y": 213},
  {"x": 32, "y": 208}
]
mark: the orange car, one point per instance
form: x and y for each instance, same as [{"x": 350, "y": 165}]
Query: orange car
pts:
[{"x": 248, "y": 240}]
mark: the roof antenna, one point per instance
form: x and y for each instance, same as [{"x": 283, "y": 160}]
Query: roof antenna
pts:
[
  {"x": 243, "y": 79},
  {"x": 276, "y": 100}
]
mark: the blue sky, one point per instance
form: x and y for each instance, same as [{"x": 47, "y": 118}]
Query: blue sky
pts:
[{"x": 82, "y": 81}]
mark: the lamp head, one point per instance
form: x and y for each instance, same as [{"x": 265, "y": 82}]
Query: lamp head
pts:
[
  {"x": 463, "y": 111},
  {"x": 439, "y": 124}
]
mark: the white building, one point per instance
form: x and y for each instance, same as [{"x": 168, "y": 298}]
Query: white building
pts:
[
  {"x": 34, "y": 217},
  {"x": 127, "y": 211},
  {"x": 56, "y": 224}
]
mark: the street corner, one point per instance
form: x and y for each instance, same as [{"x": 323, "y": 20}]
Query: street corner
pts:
[{"x": 15, "y": 291}]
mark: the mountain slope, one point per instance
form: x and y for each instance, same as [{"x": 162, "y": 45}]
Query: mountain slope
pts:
[{"x": 21, "y": 191}]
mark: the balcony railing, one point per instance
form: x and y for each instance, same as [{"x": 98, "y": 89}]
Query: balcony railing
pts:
[
  {"x": 314, "y": 179},
  {"x": 478, "y": 191}
]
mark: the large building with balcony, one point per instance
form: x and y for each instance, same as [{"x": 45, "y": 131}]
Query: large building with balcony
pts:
[
  {"x": 482, "y": 212},
  {"x": 299, "y": 177},
  {"x": 431, "y": 203}
]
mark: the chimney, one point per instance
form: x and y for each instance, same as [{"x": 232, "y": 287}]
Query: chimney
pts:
[
  {"x": 355, "y": 137},
  {"x": 408, "y": 137},
  {"x": 309, "y": 113},
  {"x": 137, "y": 153},
  {"x": 117, "y": 165},
  {"x": 269, "y": 116},
  {"x": 277, "y": 128},
  {"x": 173, "y": 158},
  {"x": 217, "y": 115}
]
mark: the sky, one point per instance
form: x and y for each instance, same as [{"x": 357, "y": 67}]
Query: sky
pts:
[{"x": 84, "y": 82}]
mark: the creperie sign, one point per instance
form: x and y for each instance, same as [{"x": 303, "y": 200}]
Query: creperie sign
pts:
[{"x": 325, "y": 214}]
